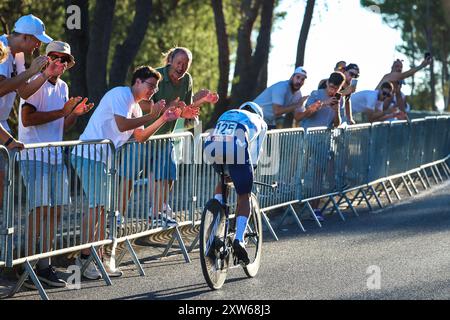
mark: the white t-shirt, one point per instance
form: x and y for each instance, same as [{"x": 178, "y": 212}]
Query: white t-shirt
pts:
[
  {"x": 102, "y": 124},
  {"x": 6, "y": 70},
  {"x": 366, "y": 100},
  {"x": 48, "y": 98},
  {"x": 280, "y": 93}
]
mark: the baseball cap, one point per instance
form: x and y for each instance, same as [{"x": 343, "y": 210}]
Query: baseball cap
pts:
[
  {"x": 301, "y": 71},
  {"x": 60, "y": 47},
  {"x": 33, "y": 26}
]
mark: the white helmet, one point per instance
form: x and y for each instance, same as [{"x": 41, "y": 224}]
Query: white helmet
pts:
[{"x": 252, "y": 107}]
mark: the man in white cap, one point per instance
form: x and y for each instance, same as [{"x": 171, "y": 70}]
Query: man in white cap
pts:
[
  {"x": 282, "y": 98},
  {"x": 27, "y": 35},
  {"x": 44, "y": 117}
]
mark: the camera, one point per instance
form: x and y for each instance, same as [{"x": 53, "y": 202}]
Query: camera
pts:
[{"x": 354, "y": 82}]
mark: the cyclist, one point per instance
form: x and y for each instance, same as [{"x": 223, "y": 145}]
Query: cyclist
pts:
[{"x": 234, "y": 148}]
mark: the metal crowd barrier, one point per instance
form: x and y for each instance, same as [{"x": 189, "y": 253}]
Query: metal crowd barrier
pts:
[
  {"x": 4, "y": 201},
  {"x": 143, "y": 177},
  {"x": 114, "y": 198},
  {"x": 52, "y": 203}
]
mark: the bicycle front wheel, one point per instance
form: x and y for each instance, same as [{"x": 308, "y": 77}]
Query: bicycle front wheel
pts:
[
  {"x": 253, "y": 238},
  {"x": 212, "y": 233}
]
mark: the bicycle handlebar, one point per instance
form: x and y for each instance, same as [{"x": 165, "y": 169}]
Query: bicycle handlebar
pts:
[{"x": 273, "y": 185}]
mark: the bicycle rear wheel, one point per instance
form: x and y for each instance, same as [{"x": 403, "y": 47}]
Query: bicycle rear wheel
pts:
[
  {"x": 212, "y": 232},
  {"x": 253, "y": 238}
]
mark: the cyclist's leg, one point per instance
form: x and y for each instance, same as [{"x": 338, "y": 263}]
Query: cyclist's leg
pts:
[{"x": 242, "y": 176}]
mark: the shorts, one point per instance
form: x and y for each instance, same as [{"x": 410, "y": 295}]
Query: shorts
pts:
[
  {"x": 93, "y": 178},
  {"x": 47, "y": 184},
  {"x": 229, "y": 155},
  {"x": 160, "y": 156}
]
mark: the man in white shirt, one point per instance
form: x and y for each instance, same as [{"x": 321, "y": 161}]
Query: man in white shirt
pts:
[
  {"x": 117, "y": 118},
  {"x": 282, "y": 98},
  {"x": 27, "y": 35},
  {"x": 44, "y": 117},
  {"x": 371, "y": 103}
]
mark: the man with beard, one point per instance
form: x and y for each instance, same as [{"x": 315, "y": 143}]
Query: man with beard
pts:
[{"x": 282, "y": 98}]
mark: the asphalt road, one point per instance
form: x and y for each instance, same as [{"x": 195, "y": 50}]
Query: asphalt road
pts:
[{"x": 401, "y": 252}]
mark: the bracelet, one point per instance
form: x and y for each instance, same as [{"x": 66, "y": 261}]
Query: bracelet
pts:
[{"x": 8, "y": 142}]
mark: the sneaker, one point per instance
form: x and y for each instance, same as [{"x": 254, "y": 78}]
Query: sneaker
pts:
[
  {"x": 110, "y": 267},
  {"x": 91, "y": 271},
  {"x": 50, "y": 277},
  {"x": 319, "y": 215},
  {"x": 240, "y": 252}
]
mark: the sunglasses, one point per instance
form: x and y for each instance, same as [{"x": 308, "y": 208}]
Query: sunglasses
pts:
[
  {"x": 386, "y": 94},
  {"x": 63, "y": 59},
  {"x": 354, "y": 75}
]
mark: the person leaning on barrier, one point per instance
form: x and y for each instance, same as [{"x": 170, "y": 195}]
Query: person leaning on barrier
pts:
[
  {"x": 175, "y": 86},
  {"x": 283, "y": 97},
  {"x": 323, "y": 109},
  {"x": 44, "y": 117},
  {"x": 371, "y": 103},
  {"x": 27, "y": 35},
  {"x": 117, "y": 118},
  {"x": 397, "y": 103}
]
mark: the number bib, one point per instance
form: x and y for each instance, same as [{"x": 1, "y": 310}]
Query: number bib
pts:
[{"x": 225, "y": 128}]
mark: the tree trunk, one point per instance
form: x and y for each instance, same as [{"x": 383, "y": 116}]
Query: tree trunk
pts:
[
  {"x": 304, "y": 33},
  {"x": 97, "y": 56},
  {"x": 249, "y": 9},
  {"x": 429, "y": 38},
  {"x": 79, "y": 43},
  {"x": 126, "y": 52},
  {"x": 254, "y": 79},
  {"x": 224, "y": 62}
]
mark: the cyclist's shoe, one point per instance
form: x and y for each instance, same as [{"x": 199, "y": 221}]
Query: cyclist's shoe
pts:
[{"x": 240, "y": 252}]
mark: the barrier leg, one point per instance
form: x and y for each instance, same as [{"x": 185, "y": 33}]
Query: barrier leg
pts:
[
  {"x": 413, "y": 184},
  {"x": 297, "y": 219},
  {"x": 434, "y": 175},
  {"x": 177, "y": 235},
  {"x": 367, "y": 200},
  {"x": 311, "y": 211},
  {"x": 29, "y": 272},
  {"x": 426, "y": 177},
  {"x": 421, "y": 180},
  {"x": 438, "y": 172},
  {"x": 268, "y": 225},
  {"x": 407, "y": 187},
  {"x": 376, "y": 197},
  {"x": 194, "y": 243},
  {"x": 134, "y": 257},
  {"x": 388, "y": 195},
  {"x": 350, "y": 205},
  {"x": 395, "y": 189},
  {"x": 336, "y": 207},
  {"x": 100, "y": 266},
  {"x": 445, "y": 170}
]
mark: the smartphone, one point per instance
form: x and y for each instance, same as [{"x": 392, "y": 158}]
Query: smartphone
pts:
[
  {"x": 338, "y": 96},
  {"x": 427, "y": 55},
  {"x": 354, "y": 82}
]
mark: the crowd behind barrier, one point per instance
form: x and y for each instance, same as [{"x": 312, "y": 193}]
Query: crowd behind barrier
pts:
[{"x": 311, "y": 164}]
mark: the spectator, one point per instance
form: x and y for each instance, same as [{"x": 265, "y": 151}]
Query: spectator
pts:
[
  {"x": 323, "y": 110},
  {"x": 27, "y": 35},
  {"x": 176, "y": 85},
  {"x": 397, "y": 102},
  {"x": 339, "y": 67},
  {"x": 282, "y": 98},
  {"x": 323, "y": 105},
  {"x": 117, "y": 118},
  {"x": 44, "y": 117},
  {"x": 371, "y": 103},
  {"x": 396, "y": 73}
]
